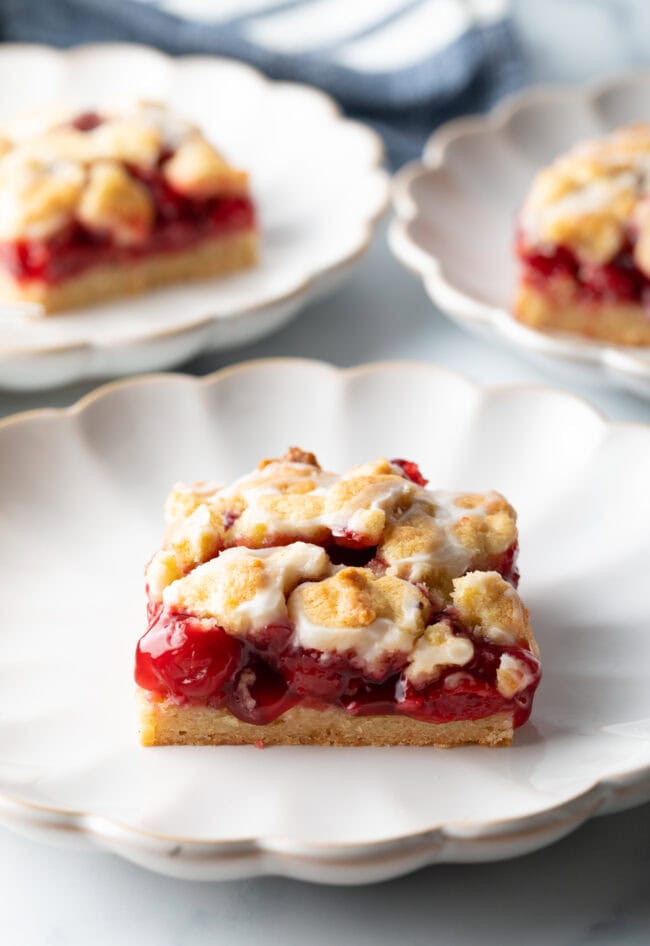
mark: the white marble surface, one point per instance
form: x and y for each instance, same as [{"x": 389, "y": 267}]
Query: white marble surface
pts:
[{"x": 592, "y": 888}]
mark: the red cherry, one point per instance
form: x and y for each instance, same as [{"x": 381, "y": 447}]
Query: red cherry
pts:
[
  {"x": 316, "y": 678},
  {"x": 411, "y": 471},
  {"x": 178, "y": 656},
  {"x": 259, "y": 693},
  {"x": 87, "y": 121}
]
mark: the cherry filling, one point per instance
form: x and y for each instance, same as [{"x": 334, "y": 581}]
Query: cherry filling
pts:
[
  {"x": 180, "y": 657},
  {"x": 619, "y": 281},
  {"x": 180, "y": 222},
  {"x": 411, "y": 471},
  {"x": 87, "y": 121},
  {"x": 183, "y": 659}
]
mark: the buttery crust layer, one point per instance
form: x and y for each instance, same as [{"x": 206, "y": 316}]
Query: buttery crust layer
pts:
[
  {"x": 619, "y": 323},
  {"x": 167, "y": 724},
  {"x": 209, "y": 258}
]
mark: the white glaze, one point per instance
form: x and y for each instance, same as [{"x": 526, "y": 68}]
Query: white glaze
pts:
[
  {"x": 208, "y": 590},
  {"x": 373, "y": 644},
  {"x": 437, "y": 647}
]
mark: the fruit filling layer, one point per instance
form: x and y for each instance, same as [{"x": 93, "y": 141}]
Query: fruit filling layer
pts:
[
  {"x": 183, "y": 659},
  {"x": 106, "y": 189},
  {"x": 557, "y": 269},
  {"x": 367, "y": 592}
]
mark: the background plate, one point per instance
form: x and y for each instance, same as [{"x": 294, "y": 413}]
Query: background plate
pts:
[
  {"x": 315, "y": 177},
  {"x": 77, "y": 529},
  {"x": 456, "y": 214}
]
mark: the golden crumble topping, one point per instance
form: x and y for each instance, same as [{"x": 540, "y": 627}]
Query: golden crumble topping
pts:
[
  {"x": 354, "y": 612},
  {"x": 38, "y": 197},
  {"x": 58, "y": 172},
  {"x": 492, "y": 607},
  {"x": 271, "y": 548},
  {"x": 355, "y": 597},
  {"x": 436, "y": 648},
  {"x": 114, "y": 202},
  {"x": 247, "y": 588},
  {"x": 490, "y": 532},
  {"x": 587, "y": 199},
  {"x": 199, "y": 170}
]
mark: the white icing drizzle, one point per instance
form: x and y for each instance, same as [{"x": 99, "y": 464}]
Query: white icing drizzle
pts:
[
  {"x": 208, "y": 590},
  {"x": 450, "y": 553},
  {"x": 352, "y": 515},
  {"x": 374, "y": 644},
  {"x": 255, "y": 487},
  {"x": 355, "y": 515}
]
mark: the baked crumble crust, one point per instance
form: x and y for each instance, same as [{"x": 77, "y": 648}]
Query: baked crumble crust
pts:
[
  {"x": 165, "y": 723},
  {"x": 556, "y": 307}
]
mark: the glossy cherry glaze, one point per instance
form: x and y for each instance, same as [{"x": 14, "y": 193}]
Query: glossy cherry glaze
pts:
[
  {"x": 180, "y": 222},
  {"x": 620, "y": 280},
  {"x": 188, "y": 661}
]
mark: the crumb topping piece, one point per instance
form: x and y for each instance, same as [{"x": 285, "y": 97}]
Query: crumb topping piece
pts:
[
  {"x": 513, "y": 676},
  {"x": 197, "y": 169},
  {"x": 589, "y": 198},
  {"x": 38, "y": 197},
  {"x": 114, "y": 202},
  {"x": 493, "y": 609},
  {"x": 355, "y": 612},
  {"x": 438, "y": 647},
  {"x": 247, "y": 589}
]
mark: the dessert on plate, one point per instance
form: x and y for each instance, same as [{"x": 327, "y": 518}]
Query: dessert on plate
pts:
[
  {"x": 297, "y": 606},
  {"x": 584, "y": 241},
  {"x": 103, "y": 204}
]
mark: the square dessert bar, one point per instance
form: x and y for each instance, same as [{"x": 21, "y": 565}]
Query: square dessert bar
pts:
[
  {"x": 102, "y": 204},
  {"x": 297, "y": 606},
  {"x": 584, "y": 241}
]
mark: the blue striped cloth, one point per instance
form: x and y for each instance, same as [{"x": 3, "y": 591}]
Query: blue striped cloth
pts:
[{"x": 402, "y": 65}]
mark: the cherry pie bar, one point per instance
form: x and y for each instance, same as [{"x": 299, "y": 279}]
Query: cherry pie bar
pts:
[
  {"x": 297, "y": 606},
  {"x": 100, "y": 205},
  {"x": 584, "y": 241}
]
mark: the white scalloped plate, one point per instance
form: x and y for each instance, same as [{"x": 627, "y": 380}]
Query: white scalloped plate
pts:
[
  {"x": 456, "y": 212},
  {"x": 80, "y": 511},
  {"x": 316, "y": 179}
]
